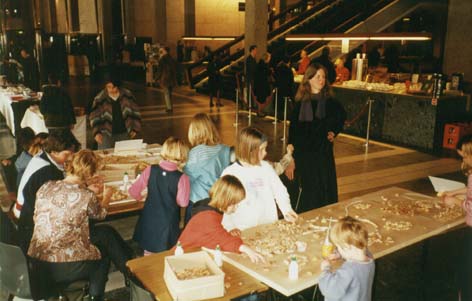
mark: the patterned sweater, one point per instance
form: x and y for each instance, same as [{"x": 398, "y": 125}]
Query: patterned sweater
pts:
[{"x": 101, "y": 117}]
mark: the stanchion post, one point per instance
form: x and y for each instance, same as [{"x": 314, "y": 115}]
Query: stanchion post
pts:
[
  {"x": 369, "y": 101},
  {"x": 236, "y": 123},
  {"x": 250, "y": 105},
  {"x": 285, "y": 119},
  {"x": 276, "y": 98}
]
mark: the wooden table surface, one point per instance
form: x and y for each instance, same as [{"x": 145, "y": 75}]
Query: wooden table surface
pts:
[
  {"x": 150, "y": 271},
  {"x": 274, "y": 273}
]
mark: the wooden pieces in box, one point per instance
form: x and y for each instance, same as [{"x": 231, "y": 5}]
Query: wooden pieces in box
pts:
[{"x": 200, "y": 288}]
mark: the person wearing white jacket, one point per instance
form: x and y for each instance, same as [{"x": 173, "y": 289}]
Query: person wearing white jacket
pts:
[{"x": 264, "y": 190}]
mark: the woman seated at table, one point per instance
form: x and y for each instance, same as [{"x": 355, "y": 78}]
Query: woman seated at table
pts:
[
  {"x": 205, "y": 229},
  {"x": 62, "y": 239}
]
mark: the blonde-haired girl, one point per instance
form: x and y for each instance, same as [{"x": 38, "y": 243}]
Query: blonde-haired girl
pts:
[
  {"x": 205, "y": 229},
  {"x": 157, "y": 228},
  {"x": 206, "y": 160},
  {"x": 464, "y": 148},
  {"x": 261, "y": 183}
]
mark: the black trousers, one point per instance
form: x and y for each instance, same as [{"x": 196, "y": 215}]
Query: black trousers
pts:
[
  {"x": 112, "y": 248},
  {"x": 465, "y": 267}
]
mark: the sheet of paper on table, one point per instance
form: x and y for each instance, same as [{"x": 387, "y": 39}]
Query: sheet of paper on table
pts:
[
  {"x": 441, "y": 185},
  {"x": 129, "y": 145}
]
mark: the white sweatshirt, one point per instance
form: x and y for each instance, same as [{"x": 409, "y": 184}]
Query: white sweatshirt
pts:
[{"x": 262, "y": 186}]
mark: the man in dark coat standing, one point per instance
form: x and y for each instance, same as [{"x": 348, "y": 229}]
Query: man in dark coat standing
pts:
[
  {"x": 167, "y": 74},
  {"x": 30, "y": 70},
  {"x": 250, "y": 69}
]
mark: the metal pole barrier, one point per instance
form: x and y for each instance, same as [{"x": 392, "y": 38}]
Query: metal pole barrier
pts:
[
  {"x": 237, "y": 109},
  {"x": 285, "y": 119},
  {"x": 369, "y": 101},
  {"x": 276, "y": 98},
  {"x": 250, "y": 105}
]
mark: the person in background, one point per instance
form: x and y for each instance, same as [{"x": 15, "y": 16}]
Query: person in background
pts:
[
  {"x": 168, "y": 189},
  {"x": 456, "y": 198},
  {"x": 261, "y": 183},
  {"x": 263, "y": 83},
  {"x": 354, "y": 279},
  {"x": 48, "y": 166},
  {"x": 114, "y": 115},
  {"x": 342, "y": 73},
  {"x": 325, "y": 60},
  {"x": 167, "y": 76},
  {"x": 206, "y": 160},
  {"x": 214, "y": 79},
  {"x": 284, "y": 82},
  {"x": 56, "y": 105},
  {"x": 250, "y": 70},
  {"x": 30, "y": 70},
  {"x": 315, "y": 122},
  {"x": 32, "y": 145},
  {"x": 303, "y": 63},
  {"x": 62, "y": 238},
  {"x": 205, "y": 229},
  {"x": 373, "y": 56}
]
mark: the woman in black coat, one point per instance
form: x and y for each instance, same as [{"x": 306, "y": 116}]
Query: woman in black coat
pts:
[
  {"x": 214, "y": 79},
  {"x": 316, "y": 120}
]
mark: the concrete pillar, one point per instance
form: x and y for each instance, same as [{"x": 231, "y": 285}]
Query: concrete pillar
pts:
[
  {"x": 130, "y": 28},
  {"x": 255, "y": 25},
  {"x": 456, "y": 48}
]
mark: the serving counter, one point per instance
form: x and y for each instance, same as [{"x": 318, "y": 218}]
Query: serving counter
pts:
[{"x": 402, "y": 119}]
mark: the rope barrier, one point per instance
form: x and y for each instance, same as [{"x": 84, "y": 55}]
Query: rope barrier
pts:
[{"x": 348, "y": 123}]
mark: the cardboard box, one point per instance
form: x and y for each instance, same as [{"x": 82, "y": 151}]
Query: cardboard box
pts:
[
  {"x": 453, "y": 132},
  {"x": 206, "y": 287}
]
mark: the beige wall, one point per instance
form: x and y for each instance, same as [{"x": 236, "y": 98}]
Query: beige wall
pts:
[
  {"x": 144, "y": 18},
  {"x": 457, "y": 56},
  {"x": 218, "y": 18},
  {"x": 87, "y": 16},
  {"x": 61, "y": 15}
]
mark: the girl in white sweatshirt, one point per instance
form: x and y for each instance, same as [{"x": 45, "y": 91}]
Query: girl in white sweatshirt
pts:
[{"x": 263, "y": 187}]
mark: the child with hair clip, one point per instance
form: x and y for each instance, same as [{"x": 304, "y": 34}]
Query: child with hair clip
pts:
[
  {"x": 261, "y": 183},
  {"x": 206, "y": 160},
  {"x": 451, "y": 198},
  {"x": 354, "y": 279},
  {"x": 168, "y": 188},
  {"x": 205, "y": 229}
]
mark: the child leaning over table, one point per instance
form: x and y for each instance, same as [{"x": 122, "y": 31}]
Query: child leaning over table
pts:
[
  {"x": 464, "y": 148},
  {"x": 354, "y": 279},
  {"x": 157, "y": 228}
]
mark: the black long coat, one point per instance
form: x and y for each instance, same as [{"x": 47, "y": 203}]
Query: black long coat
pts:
[{"x": 314, "y": 157}]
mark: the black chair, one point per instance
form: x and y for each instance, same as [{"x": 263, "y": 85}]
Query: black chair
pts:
[
  {"x": 14, "y": 272},
  {"x": 28, "y": 279},
  {"x": 138, "y": 293}
]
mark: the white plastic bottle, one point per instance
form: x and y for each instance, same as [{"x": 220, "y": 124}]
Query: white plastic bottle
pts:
[
  {"x": 293, "y": 269},
  {"x": 178, "y": 250},
  {"x": 218, "y": 257},
  {"x": 125, "y": 181}
]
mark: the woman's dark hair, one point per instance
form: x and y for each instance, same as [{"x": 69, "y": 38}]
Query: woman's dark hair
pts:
[
  {"x": 60, "y": 140},
  {"x": 304, "y": 90},
  {"x": 26, "y": 138}
]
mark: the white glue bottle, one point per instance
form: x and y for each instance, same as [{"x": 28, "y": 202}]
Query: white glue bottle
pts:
[
  {"x": 218, "y": 257},
  {"x": 293, "y": 269},
  {"x": 125, "y": 181},
  {"x": 178, "y": 250}
]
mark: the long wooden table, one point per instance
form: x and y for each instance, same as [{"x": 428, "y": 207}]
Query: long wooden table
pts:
[
  {"x": 150, "y": 271},
  {"x": 310, "y": 230}
]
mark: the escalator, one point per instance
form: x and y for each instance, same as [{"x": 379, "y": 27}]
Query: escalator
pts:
[{"x": 326, "y": 16}]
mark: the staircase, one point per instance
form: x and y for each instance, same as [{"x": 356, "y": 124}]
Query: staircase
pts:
[{"x": 327, "y": 16}]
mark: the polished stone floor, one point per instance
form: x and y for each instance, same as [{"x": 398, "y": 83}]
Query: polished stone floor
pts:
[{"x": 419, "y": 272}]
